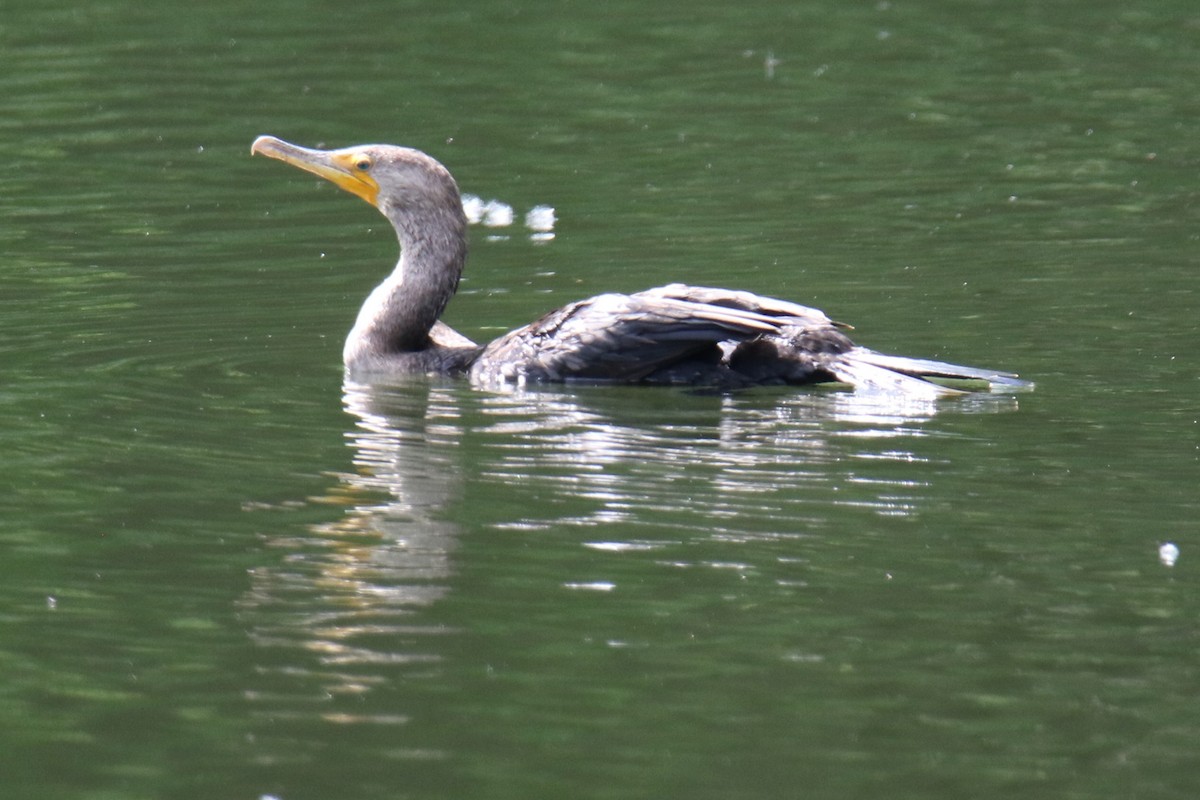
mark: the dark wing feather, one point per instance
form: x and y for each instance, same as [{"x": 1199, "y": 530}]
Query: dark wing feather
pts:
[{"x": 615, "y": 337}]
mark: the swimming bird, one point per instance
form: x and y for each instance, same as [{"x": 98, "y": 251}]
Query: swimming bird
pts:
[{"x": 674, "y": 334}]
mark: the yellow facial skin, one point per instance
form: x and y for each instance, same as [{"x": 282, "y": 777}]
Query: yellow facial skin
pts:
[{"x": 349, "y": 169}]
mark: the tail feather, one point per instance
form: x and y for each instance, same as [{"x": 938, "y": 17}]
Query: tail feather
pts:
[
  {"x": 927, "y": 368},
  {"x": 865, "y": 376},
  {"x": 910, "y": 377}
]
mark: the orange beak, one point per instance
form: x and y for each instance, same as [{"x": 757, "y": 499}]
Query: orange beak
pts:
[{"x": 343, "y": 168}]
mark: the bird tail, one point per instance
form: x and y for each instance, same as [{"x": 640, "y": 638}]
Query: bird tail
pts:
[{"x": 915, "y": 377}]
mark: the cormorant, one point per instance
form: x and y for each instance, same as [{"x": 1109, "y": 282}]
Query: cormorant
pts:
[{"x": 673, "y": 334}]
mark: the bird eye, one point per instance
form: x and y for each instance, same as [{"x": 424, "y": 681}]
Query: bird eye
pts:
[{"x": 363, "y": 164}]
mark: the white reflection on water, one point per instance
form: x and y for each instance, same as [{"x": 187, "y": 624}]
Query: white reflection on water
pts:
[
  {"x": 539, "y": 220},
  {"x": 777, "y": 462}
]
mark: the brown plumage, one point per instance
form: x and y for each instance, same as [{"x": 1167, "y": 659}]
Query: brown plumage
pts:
[{"x": 674, "y": 334}]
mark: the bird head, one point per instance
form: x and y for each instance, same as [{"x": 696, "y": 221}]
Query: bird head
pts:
[{"x": 391, "y": 178}]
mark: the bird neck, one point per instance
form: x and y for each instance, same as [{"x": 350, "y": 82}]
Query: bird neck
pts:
[{"x": 399, "y": 313}]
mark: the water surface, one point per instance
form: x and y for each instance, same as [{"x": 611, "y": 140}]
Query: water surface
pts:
[{"x": 228, "y": 574}]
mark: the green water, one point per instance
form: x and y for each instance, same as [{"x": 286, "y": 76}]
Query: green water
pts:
[{"x": 227, "y": 575}]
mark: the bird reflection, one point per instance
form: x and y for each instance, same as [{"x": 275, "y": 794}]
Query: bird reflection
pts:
[
  {"x": 355, "y": 598},
  {"x": 351, "y": 590},
  {"x": 610, "y": 460}
]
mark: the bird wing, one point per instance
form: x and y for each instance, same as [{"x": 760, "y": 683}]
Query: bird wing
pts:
[
  {"x": 793, "y": 313},
  {"x": 616, "y": 337},
  {"x": 812, "y": 347}
]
